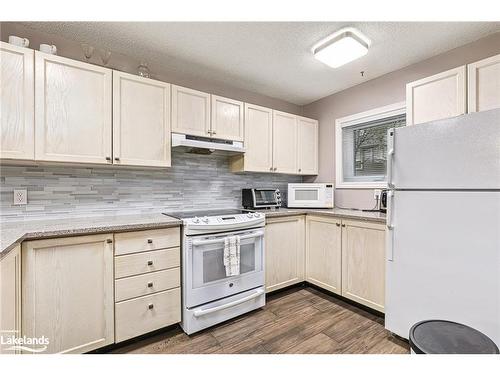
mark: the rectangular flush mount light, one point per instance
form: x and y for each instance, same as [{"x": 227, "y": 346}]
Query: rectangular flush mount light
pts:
[{"x": 345, "y": 45}]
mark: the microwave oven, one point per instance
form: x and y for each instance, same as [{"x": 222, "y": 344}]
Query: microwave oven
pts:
[{"x": 313, "y": 195}]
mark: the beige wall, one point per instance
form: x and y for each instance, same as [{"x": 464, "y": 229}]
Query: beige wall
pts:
[
  {"x": 72, "y": 49},
  {"x": 378, "y": 92}
]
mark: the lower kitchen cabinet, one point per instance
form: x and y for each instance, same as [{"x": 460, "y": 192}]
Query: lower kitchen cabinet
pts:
[
  {"x": 363, "y": 263},
  {"x": 324, "y": 252},
  {"x": 68, "y": 292},
  {"x": 285, "y": 250},
  {"x": 10, "y": 297}
]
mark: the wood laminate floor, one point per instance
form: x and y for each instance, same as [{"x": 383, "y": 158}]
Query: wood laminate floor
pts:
[{"x": 295, "y": 321}]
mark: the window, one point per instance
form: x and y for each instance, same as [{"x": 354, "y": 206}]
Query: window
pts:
[{"x": 361, "y": 146}]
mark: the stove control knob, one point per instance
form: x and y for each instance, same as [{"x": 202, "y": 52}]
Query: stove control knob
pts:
[
  {"x": 196, "y": 220},
  {"x": 257, "y": 215},
  {"x": 250, "y": 215},
  {"x": 205, "y": 220}
]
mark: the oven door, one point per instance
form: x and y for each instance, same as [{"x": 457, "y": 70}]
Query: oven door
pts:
[{"x": 204, "y": 273}]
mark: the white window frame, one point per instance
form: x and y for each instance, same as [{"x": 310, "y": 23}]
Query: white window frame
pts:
[{"x": 359, "y": 118}]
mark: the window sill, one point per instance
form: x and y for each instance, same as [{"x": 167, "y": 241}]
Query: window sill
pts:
[{"x": 361, "y": 185}]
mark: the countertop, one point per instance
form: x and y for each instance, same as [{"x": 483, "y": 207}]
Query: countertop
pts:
[
  {"x": 13, "y": 233},
  {"x": 337, "y": 212}
]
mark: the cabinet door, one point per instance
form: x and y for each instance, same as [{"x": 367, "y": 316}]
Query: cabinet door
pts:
[
  {"x": 484, "y": 84},
  {"x": 227, "y": 119},
  {"x": 258, "y": 155},
  {"x": 17, "y": 102},
  {"x": 68, "y": 292},
  {"x": 190, "y": 111},
  {"x": 307, "y": 146},
  {"x": 141, "y": 121},
  {"x": 363, "y": 263},
  {"x": 10, "y": 298},
  {"x": 323, "y": 252},
  {"x": 285, "y": 250},
  {"x": 284, "y": 142},
  {"x": 72, "y": 110},
  {"x": 433, "y": 98}
]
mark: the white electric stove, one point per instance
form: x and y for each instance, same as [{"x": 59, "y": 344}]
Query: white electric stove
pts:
[{"x": 209, "y": 296}]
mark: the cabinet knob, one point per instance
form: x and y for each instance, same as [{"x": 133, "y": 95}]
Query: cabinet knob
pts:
[
  {"x": 270, "y": 168},
  {"x": 343, "y": 225},
  {"x": 209, "y": 132},
  {"x": 109, "y": 240},
  {"x": 150, "y": 240},
  {"x": 214, "y": 132},
  {"x": 108, "y": 158},
  {"x": 150, "y": 306},
  {"x": 117, "y": 159},
  {"x": 150, "y": 262},
  {"x": 337, "y": 224},
  {"x": 275, "y": 168},
  {"x": 150, "y": 284},
  {"x": 300, "y": 170}
]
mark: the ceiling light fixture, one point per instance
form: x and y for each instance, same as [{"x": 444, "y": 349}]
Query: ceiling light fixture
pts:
[{"x": 341, "y": 47}]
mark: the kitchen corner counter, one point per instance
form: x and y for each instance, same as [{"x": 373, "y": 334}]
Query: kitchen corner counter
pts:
[
  {"x": 336, "y": 212},
  {"x": 13, "y": 233}
]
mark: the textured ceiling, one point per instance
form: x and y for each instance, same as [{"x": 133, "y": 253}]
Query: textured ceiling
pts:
[{"x": 271, "y": 58}]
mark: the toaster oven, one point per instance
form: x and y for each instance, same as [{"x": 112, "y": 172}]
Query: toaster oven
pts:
[{"x": 260, "y": 198}]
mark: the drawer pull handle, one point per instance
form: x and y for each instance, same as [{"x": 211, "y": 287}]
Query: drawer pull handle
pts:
[
  {"x": 150, "y": 262},
  {"x": 150, "y": 306},
  {"x": 150, "y": 284},
  {"x": 150, "y": 240}
]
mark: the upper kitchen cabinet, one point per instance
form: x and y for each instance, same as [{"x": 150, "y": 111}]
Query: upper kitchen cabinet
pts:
[
  {"x": 284, "y": 143},
  {"x": 17, "y": 102},
  {"x": 307, "y": 150},
  {"x": 436, "y": 97},
  {"x": 258, "y": 155},
  {"x": 72, "y": 111},
  {"x": 190, "y": 112},
  {"x": 141, "y": 121},
  {"x": 227, "y": 119},
  {"x": 484, "y": 84}
]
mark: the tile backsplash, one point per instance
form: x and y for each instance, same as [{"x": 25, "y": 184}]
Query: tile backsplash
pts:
[{"x": 193, "y": 182}]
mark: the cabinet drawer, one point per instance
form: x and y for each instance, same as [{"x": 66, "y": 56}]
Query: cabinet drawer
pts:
[
  {"x": 146, "y": 240},
  {"x": 135, "y": 264},
  {"x": 145, "y": 314},
  {"x": 141, "y": 285}
]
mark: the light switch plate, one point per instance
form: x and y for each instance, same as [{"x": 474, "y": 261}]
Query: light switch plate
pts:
[{"x": 20, "y": 197}]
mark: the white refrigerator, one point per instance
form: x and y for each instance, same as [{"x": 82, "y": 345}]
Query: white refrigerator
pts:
[{"x": 443, "y": 224}]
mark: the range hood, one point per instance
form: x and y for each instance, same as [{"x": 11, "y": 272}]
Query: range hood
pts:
[{"x": 205, "y": 145}]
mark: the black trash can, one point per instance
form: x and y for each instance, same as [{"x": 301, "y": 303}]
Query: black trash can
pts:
[{"x": 445, "y": 337}]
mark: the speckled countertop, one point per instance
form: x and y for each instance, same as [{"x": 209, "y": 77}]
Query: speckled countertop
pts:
[
  {"x": 13, "y": 233},
  {"x": 337, "y": 212}
]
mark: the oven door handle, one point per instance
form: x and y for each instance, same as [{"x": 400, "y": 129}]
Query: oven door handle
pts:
[
  {"x": 208, "y": 242},
  {"x": 202, "y": 312}
]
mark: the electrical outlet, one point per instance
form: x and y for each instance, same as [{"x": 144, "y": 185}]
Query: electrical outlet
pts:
[
  {"x": 20, "y": 197},
  {"x": 377, "y": 193}
]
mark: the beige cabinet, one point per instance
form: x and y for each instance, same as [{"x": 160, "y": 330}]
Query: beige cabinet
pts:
[
  {"x": 72, "y": 111},
  {"x": 307, "y": 146},
  {"x": 437, "y": 97},
  {"x": 190, "y": 111},
  {"x": 227, "y": 119},
  {"x": 324, "y": 252},
  {"x": 10, "y": 299},
  {"x": 363, "y": 263},
  {"x": 17, "y": 102},
  {"x": 284, "y": 252},
  {"x": 258, "y": 156},
  {"x": 484, "y": 84},
  {"x": 141, "y": 121},
  {"x": 68, "y": 292},
  {"x": 284, "y": 142}
]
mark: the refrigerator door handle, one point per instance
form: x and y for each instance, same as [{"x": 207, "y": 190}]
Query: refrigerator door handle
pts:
[
  {"x": 390, "y": 226},
  {"x": 390, "y": 154}
]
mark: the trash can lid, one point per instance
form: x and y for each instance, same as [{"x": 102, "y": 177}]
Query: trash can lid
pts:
[{"x": 445, "y": 337}]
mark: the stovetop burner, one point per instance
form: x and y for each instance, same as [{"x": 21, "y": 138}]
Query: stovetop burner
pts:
[{"x": 205, "y": 213}]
